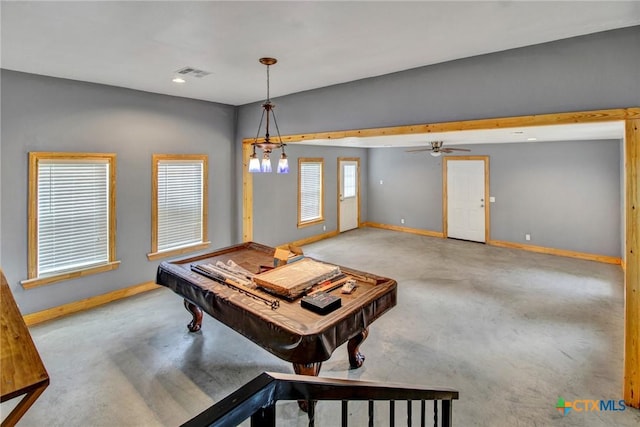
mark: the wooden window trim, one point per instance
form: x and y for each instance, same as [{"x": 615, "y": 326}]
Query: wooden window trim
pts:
[
  {"x": 33, "y": 280},
  {"x": 302, "y": 160},
  {"x": 156, "y": 158}
]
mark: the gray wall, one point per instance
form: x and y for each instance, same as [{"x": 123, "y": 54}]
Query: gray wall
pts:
[
  {"x": 597, "y": 71},
  {"x": 565, "y": 194},
  {"x": 276, "y": 196},
  {"x": 411, "y": 188},
  {"x": 48, "y": 114}
]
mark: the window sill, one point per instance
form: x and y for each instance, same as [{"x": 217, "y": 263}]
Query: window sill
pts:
[
  {"x": 308, "y": 223},
  {"x": 166, "y": 254},
  {"x": 41, "y": 281}
]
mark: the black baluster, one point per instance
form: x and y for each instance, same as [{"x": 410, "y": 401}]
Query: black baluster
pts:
[
  {"x": 409, "y": 413},
  {"x": 423, "y": 413},
  {"x": 371, "y": 413},
  {"x": 435, "y": 413},
  {"x": 265, "y": 417},
  {"x": 345, "y": 413},
  {"x": 447, "y": 413},
  {"x": 392, "y": 413}
]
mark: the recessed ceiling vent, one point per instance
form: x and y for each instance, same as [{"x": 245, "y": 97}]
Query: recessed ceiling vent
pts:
[{"x": 193, "y": 72}]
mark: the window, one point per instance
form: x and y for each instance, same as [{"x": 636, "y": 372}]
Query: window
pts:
[
  {"x": 349, "y": 180},
  {"x": 310, "y": 191},
  {"x": 71, "y": 216},
  {"x": 179, "y": 206}
]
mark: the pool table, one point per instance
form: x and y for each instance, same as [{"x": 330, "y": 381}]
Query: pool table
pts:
[{"x": 282, "y": 327}]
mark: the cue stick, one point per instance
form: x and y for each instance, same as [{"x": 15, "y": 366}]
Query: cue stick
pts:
[{"x": 274, "y": 304}]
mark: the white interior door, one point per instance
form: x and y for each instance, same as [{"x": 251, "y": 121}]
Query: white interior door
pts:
[
  {"x": 466, "y": 200},
  {"x": 348, "y": 197}
]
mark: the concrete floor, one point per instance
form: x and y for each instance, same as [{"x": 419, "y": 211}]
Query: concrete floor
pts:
[{"x": 511, "y": 330}]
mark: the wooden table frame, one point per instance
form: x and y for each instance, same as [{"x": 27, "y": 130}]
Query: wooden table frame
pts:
[{"x": 23, "y": 372}]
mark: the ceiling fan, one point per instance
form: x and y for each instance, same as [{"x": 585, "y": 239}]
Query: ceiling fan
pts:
[{"x": 437, "y": 149}]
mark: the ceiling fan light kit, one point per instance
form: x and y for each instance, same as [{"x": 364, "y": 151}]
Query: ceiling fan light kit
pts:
[{"x": 437, "y": 149}]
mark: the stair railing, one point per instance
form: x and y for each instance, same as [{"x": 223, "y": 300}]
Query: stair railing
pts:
[{"x": 257, "y": 400}]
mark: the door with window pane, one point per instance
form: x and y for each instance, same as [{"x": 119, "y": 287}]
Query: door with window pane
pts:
[{"x": 348, "y": 197}]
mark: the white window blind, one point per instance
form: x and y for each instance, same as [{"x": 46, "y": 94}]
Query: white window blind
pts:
[
  {"x": 310, "y": 191},
  {"x": 349, "y": 178},
  {"x": 73, "y": 214},
  {"x": 180, "y": 203}
]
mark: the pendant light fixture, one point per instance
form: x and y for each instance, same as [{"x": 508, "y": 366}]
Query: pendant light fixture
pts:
[{"x": 267, "y": 146}]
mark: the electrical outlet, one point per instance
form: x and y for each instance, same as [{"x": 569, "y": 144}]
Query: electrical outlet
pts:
[
  {"x": 402, "y": 221},
  {"x": 527, "y": 236},
  {"x": 324, "y": 228},
  {"x": 380, "y": 182}
]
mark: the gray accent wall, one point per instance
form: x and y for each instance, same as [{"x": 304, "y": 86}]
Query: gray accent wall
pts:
[
  {"x": 48, "y": 114},
  {"x": 565, "y": 194},
  {"x": 405, "y": 186},
  {"x": 597, "y": 71}
]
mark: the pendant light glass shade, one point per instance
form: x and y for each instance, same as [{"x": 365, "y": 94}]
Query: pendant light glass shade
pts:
[
  {"x": 254, "y": 163},
  {"x": 283, "y": 164},
  {"x": 265, "y": 167}
]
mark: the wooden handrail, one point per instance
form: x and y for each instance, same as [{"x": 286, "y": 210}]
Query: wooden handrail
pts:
[{"x": 269, "y": 387}]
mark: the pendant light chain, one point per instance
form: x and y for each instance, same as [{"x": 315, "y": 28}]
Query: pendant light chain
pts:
[{"x": 268, "y": 99}]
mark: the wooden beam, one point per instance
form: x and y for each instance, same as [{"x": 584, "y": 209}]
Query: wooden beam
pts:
[
  {"x": 482, "y": 124},
  {"x": 632, "y": 264},
  {"x": 247, "y": 195}
]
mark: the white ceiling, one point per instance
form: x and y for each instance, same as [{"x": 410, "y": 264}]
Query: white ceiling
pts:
[{"x": 140, "y": 45}]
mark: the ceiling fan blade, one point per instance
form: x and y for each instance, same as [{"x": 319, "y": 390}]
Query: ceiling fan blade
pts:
[
  {"x": 416, "y": 150},
  {"x": 451, "y": 150}
]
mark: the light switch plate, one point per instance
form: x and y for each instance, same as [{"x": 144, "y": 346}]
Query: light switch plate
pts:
[{"x": 492, "y": 199}]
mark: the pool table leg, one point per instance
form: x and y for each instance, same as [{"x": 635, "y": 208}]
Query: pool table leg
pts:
[
  {"x": 196, "y": 312},
  {"x": 311, "y": 369},
  {"x": 356, "y": 359}
]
